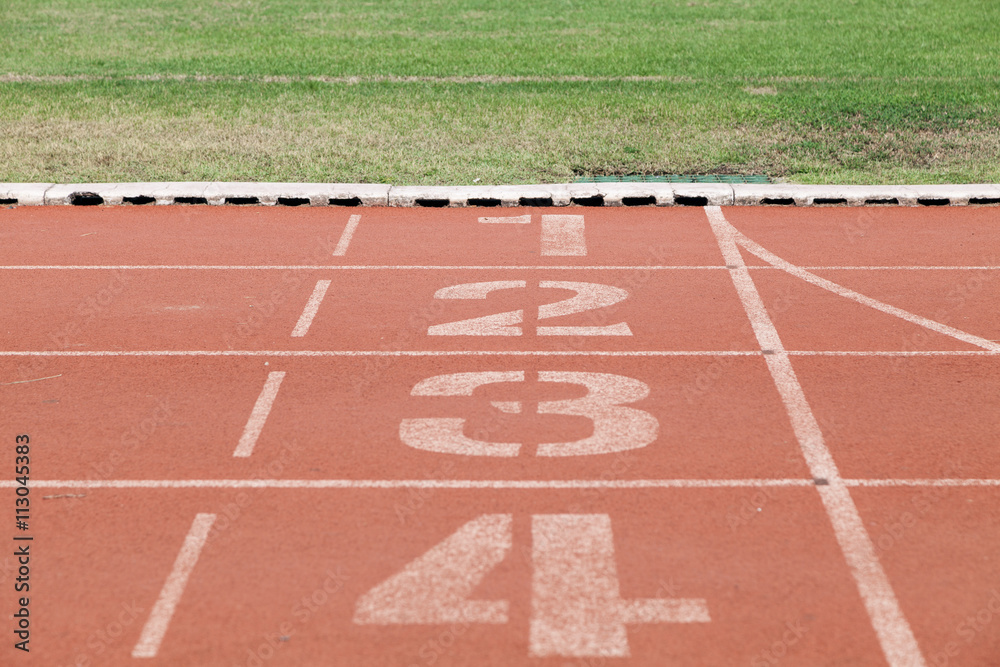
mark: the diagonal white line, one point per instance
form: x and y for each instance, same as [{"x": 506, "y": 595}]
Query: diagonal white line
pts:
[
  {"x": 312, "y": 307},
  {"x": 159, "y": 619},
  {"x": 893, "y": 631},
  {"x": 840, "y": 290},
  {"x": 345, "y": 238},
  {"x": 261, "y": 409}
]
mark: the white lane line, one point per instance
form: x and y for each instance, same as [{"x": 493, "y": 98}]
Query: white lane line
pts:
[
  {"x": 375, "y": 267},
  {"x": 895, "y": 636},
  {"x": 892, "y": 353},
  {"x": 488, "y": 353},
  {"x": 345, "y": 238},
  {"x": 921, "y": 482},
  {"x": 511, "y": 219},
  {"x": 48, "y": 377},
  {"x": 410, "y": 483},
  {"x": 891, "y": 627},
  {"x": 840, "y": 290},
  {"x": 159, "y": 618},
  {"x": 887, "y": 268},
  {"x": 479, "y": 484},
  {"x": 261, "y": 409},
  {"x": 312, "y": 306},
  {"x": 385, "y": 353},
  {"x": 489, "y": 267},
  {"x": 562, "y": 236}
]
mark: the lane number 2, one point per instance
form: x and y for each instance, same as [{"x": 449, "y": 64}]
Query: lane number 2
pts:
[{"x": 589, "y": 296}]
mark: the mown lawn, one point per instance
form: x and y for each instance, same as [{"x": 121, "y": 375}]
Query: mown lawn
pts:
[{"x": 454, "y": 91}]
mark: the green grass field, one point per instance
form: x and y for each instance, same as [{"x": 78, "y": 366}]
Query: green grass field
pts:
[{"x": 451, "y": 91}]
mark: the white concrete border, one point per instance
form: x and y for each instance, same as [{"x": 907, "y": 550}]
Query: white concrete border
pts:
[
  {"x": 554, "y": 195},
  {"x": 25, "y": 194}
]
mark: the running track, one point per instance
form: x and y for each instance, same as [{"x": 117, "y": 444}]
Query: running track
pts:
[{"x": 573, "y": 437}]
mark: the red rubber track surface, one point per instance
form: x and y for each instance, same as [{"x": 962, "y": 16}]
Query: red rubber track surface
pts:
[{"x": 137, "y": 382}]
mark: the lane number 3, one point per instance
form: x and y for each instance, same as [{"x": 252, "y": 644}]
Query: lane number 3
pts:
[{"x": 617, "y": 427}]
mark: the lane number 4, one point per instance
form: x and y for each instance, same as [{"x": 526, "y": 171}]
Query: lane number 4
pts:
[{"x": 576, "y": 606}]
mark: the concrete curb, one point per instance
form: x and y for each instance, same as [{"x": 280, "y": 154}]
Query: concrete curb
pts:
[{"x": 560, "y": 194}]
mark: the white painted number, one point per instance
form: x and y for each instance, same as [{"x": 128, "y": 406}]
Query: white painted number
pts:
[
  {"x": 500, "y": 324},
  {"x": 616, "y": 427},
  {"x": 589, "y": 296},
  {"x": 562, "y": 235},
  {"x": 444, "y": 435},
  {"x": 576, "y": 606},
  {"x": 435, "y": 587}
]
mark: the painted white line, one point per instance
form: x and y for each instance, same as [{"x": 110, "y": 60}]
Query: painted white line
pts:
[
  {"x": 921, "y": 482},
  {"x": 48, "y": 377},
  {"x": 807, "y": 431},
  {"x": 368, "y": 267},
  {"x": 384, "y": 353},
  {"x": 763, "y": 329},
  {"x": 312, "y": 306},
  {"x": 259, "y": 414},
  {"x": 512, "y": 219},
  {"x": 345, "y": 238},
  {"x": 894, "y": 633},
  {"x": 159, "y": 618},
  {"x": 489, "y": 267},
  {"x": 562, "y": 235},
  {"x": 895, "y": 636},
  {"x": 410, "y": 483},
  {"x": 892, "y": 353},
  {"x": 478, "y": 484},
  {"x": 487, "y": 353},
  {"x": 888, "y": 268},
  {"x": 839, "y": 290}
]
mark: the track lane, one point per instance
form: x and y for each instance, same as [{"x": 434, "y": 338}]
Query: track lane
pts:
[
  {"x": 174, "y": 418},
  {"x": 360, "y": 310},
  {"x": 271, "y": 570}
]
